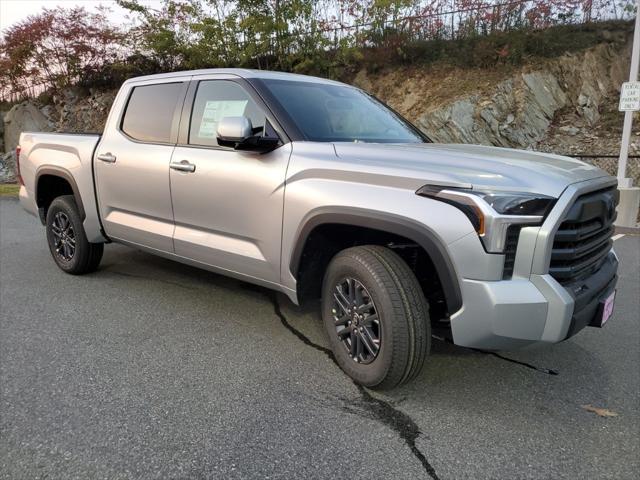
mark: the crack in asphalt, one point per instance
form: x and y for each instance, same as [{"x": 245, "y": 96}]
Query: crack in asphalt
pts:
[
  {"x": 548, "y": 371},
  {"x": 380, "y": 410}
]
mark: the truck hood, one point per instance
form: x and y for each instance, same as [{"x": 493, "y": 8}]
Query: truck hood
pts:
[{"x": 470, "y": 165}]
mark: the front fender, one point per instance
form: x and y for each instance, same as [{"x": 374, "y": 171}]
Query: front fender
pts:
[
  {"x": 321, "y": 188},
  {"x": 386, "y": 222}
]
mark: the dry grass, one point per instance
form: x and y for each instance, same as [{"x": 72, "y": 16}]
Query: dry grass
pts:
[{"x": 9, "y": 189}]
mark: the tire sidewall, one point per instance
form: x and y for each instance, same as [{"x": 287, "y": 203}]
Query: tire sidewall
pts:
[{"x": 374, "y": 373}]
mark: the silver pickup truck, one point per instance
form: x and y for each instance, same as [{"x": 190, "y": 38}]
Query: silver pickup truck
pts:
[{"x": 315, "y": 189}]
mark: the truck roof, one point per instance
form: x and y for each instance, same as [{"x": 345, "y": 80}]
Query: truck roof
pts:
[{"x": 240, "y": 72}]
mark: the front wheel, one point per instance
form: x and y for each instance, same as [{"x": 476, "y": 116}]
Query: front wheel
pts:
[
  {"x": 67, "y": 241},
  {"x": 376, "y": 316}
]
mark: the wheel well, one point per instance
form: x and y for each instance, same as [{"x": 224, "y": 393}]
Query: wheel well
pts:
[
  {"x": 48, "y": 189},
  {"x": 326, "y": 240}
]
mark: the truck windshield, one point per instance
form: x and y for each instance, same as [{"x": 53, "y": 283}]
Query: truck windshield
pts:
[{"x": 337, "y": 113}]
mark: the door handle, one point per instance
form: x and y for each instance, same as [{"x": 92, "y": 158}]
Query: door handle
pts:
[
  {"x": 183, "y": 166},
  {"x": 107, "y": 157}
]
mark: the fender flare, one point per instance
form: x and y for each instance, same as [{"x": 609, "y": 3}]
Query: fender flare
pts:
[
  {"x": 65, "y": 175},
  {"x": 390, "y": 223}
]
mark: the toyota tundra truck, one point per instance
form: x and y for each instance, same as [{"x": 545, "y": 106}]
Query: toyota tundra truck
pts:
[{"x": 315, "y": 189}]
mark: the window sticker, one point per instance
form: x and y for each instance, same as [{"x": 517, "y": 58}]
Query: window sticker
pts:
[{"x": 216, "y": 110}]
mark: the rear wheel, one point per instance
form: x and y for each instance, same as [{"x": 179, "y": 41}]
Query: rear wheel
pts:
[
  {"x": 67, "y": 241},
  {"x": 376, "y": 316}
]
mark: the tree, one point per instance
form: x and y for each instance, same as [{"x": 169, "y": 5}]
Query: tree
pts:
[
  {"x": 164, "y": 34},
  {"x": 214, "y": 33},
  {"x": 56, "y": 47}
]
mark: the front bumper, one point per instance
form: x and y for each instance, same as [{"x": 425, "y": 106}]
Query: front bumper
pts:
[
  {"x": 532, "y": 307},
  {"x": 588, "y": 294},
  {"x": 511, "y": 314}
]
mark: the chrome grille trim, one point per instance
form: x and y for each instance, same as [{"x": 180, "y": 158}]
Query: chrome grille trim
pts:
[
  {"x": 548, "y": 230},
  {"x": 583, "y": 239}
]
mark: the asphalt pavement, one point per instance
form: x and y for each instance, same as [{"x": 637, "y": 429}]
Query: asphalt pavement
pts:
[{"x": 152, "y": 369}]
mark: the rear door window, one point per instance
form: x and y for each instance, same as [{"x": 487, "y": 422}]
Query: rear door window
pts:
[
  {"x": 216, "y": 99},
  {"x": 150, "y": 112}
]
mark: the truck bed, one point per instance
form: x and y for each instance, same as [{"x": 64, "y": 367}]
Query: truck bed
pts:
[{"x": 65, "y": 154}]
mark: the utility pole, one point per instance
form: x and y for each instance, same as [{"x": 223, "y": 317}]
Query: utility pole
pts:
[
  {"x": 623, "y": 181},
  {"x": 629, "y": 195}
]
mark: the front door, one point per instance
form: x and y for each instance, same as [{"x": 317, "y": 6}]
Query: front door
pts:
[
  {"x": 228, "y": 210},
  {"x": 132, "y": 164}
]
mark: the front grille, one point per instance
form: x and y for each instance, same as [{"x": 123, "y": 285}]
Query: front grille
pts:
[{"x": 583, "y": 239}]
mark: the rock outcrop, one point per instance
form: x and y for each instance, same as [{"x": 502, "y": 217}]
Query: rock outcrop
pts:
[
  {"x": 78, "y": 111},
  {"x": 509, "y": 109},
  {"x": 518, "y": 113},
  {"x": 73, "y": 111},
  {"x": 24, "y": 117},
  {"x": 7, "y": 168}
]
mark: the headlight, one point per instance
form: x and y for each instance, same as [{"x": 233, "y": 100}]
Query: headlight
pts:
[
  {"x": 514, "y": 203},
  {"x": 492, "y": 212}
]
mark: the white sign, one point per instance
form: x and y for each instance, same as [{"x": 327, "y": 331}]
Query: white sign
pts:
[{"x": 629, "y": 97}]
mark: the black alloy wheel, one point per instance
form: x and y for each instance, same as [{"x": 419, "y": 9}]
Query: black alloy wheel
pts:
[
  {"x": 67, "y": 240},
  {"x": 357, "y": 323},
  {"x": 63, "y": 237}
]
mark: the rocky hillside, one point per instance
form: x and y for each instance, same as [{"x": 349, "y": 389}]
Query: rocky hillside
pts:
[
  {"x": 75, "y": 110},
  {"x": 560, "y": 105},
  {"x": 565, "y": 105}
]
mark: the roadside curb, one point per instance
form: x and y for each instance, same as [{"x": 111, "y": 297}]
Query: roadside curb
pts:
[{"x": 628, "y": 230}]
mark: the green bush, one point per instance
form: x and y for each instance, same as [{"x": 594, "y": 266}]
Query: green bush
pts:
[{"x": 486, "y": 51}]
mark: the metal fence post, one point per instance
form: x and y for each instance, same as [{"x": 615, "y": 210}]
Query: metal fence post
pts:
[{"x": 623, "y": 181}]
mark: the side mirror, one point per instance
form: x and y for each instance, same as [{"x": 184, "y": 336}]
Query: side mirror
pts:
[
  {"x": 234, "y": 130},
  {"x": 239, "y": 134}
]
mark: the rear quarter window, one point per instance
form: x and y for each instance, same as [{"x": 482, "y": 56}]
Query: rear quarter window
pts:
[{"x": 150, "y": 110}]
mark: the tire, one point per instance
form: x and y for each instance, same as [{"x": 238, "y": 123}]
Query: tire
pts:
[
  {"x": 67, "y": 241},
  {"x": 403, "y": 328}
]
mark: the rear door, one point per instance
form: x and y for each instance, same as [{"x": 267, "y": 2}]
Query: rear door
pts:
[
  {"x": 132, "y": 163},
  {"x": 228, "y": 210}
]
